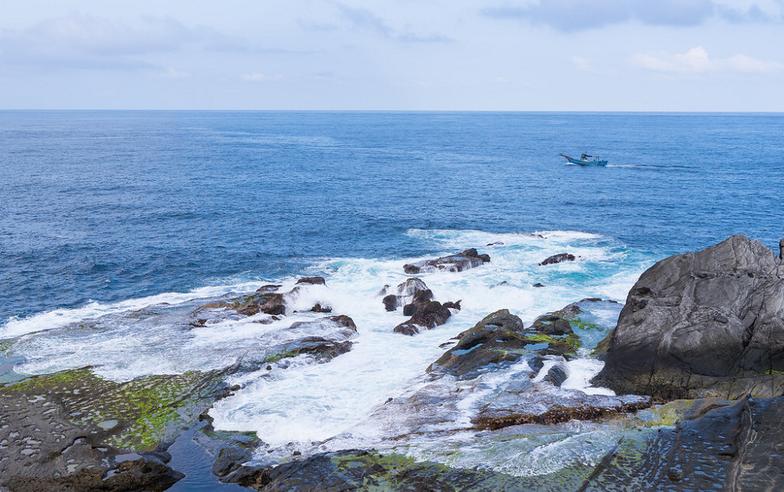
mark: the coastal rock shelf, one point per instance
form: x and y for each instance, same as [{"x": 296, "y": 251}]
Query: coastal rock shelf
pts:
[{"x": 307, "y": 383}]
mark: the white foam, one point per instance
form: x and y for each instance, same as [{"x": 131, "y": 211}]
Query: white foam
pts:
[{"x": 314, "y": 402}]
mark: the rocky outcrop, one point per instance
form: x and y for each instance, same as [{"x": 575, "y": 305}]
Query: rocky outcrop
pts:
[
  {"x": 559, "y": 258},
  {"x": 702, "y": 324},
  {"x": 426, "y": 315},
  {"x": 464, "y": 260},
  {"x": 267, "y": 300},
  {"x": 557, "y": 374},
  {"x": 498, "y": 338},
  {"x": 405, "y": 293},
  {"x": 323, "y": 339},
  {"x": 552, "y": 324}
]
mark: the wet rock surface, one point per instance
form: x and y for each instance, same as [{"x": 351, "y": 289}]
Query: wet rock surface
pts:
[
  {"x": 404, "y": 293},
  {"x": 74, "y": 430},
  {"x": 703, "y": 324},
  {"x": 469, "y": 258},
  {"x": 731, "y": 445}
]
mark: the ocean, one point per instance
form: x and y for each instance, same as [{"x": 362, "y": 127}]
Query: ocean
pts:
[{"x": 107, "y": 213}]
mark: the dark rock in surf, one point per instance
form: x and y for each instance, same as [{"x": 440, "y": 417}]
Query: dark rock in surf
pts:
[
  {"x": 268, "y": 288},
  {"x": 318, "y": 308},
  {"x": 312, "y": 281},
  {"x": 498, "y": 338},
  {"x": 559, "y": 258},
  {"x": 702, "y": 324},
  {"x": 557, "y": 374},
  {"x": 407, "y": 292},
  {"x": 469, "y": 258},
  {"x": 538, "y": 285},
  {"x": 453, "y": 305},
  {"x": 428, "y": 315}
]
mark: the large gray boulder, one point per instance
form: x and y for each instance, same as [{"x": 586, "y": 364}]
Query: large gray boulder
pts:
[{"x": 705, "y": 324}]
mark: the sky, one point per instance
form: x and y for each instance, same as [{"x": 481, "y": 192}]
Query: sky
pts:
[{"x": 510, "y": 55}]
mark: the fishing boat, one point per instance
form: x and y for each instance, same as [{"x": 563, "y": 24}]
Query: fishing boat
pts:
[{"x": 585, "y": 160}]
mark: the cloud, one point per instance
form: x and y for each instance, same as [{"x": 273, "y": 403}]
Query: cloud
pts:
[
  {"x": 576, "y": 15},
  {"x": 364, "y": 19},
  {"x": 697, "y": 61},
  {"x": 96, "y": 43},
  {"x": 581, "y": 63}
]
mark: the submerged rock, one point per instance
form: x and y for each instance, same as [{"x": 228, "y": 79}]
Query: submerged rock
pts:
[
  {"x": 702, "y": 324},
  {"x": 324, "y": 339},
  {"x": 557, "y": 375},
  {"x": 559, "y": 258},
  {"x": 469, "y": 258}
]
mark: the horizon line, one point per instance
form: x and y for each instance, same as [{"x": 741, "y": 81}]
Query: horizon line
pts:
[{"x": 253, "y": 110}]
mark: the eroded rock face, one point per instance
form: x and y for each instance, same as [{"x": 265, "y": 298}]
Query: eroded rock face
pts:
[
  {"x": 469, "y": 258},
  {"x": 705, "y": 324}
]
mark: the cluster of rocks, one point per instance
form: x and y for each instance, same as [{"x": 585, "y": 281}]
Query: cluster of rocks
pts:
[{"x": 417, "y": 301}]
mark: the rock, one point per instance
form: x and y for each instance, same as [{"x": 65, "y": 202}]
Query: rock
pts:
[
  {"x": 538, "y": 285},
  {"x": 368, "y": 470},
  {"x": 498, "y": 338},
  {"x": 268, "y": 288},
  {"x": 535, "y": 403},
  {"x": 552, "y": 324},
  {"x": 312, "y": 281},
  {"x": 453, "y": 305},
  {"x": 73, "y": 430},
  {"x": 722, "y": 446},
  {"x": 229, "y": 459},
  {"x": 495, "y": 243},
  {"x": 557, "y": 375},
  {"x": 390, "y": 302},
  {"x": 318, "y": 308},
  {"x": 559, "y": 258},
  {"x": 428, "y": 315},
  {"x": 407, "y": 292},
  {"x": 705, "y": 324},
  {"x": 469, "y": 258}
]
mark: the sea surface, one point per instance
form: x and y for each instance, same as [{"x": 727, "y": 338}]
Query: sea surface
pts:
[{"x": 103, "y": 214}]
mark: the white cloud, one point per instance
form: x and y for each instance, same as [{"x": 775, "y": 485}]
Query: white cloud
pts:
[{"x": 697, "y": 60}]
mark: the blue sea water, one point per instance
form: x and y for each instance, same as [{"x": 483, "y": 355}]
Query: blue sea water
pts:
[{"x": 108, "y": 206}]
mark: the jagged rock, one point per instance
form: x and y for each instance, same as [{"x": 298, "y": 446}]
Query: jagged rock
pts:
[
  {"x": 559, "y": 258},
  {"x": 557, "y": 375},
  {"x": 229, "y": 459},
  {"x": 538, "y": 285},
  {"x": 427, "y": 315},
  {"x": 469, "y": 258},
  {"x": 405, "y": 293},
  {"x": 702, "y": 324},
  {"x": 720, "y": 446},
  {"x": 312, "y": 281}
]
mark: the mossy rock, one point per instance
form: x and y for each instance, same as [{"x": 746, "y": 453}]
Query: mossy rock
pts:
[{"x": 137, "y": 415}]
